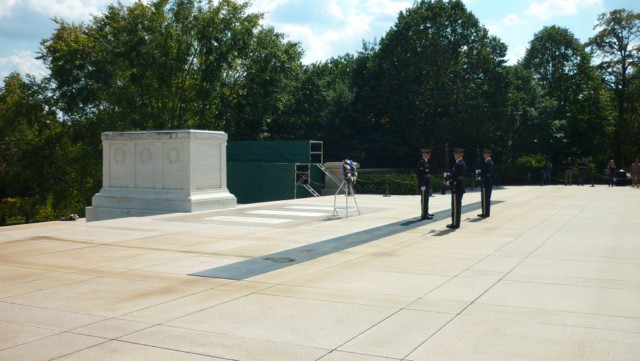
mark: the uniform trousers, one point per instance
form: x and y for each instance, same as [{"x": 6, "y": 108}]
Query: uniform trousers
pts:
[
  {"x": 424, "y": 202},
  {"x": 456, "y": 208},
  {"x": 485, "y": 197}
]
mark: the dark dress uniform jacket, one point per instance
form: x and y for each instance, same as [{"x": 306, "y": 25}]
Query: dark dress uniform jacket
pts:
[
  {"x": 487, "y": 168},
  {"x": 457, "y": 191},
  {"x": 487, "y": 186},
  {"x": 459, "y": 169},
  {"x": 422, "y": 173}
]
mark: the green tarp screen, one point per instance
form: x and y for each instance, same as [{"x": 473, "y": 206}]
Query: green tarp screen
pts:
[
  {"x": 260, "y": 171},
  {"x": 292, "y": 151},
  {"x": 262, "y": 182}
]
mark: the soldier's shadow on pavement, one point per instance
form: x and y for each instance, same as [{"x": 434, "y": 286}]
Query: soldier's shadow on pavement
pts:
[
  {"x": 412, "y": 222},
  {"x": 441, "y": 233},
  {"x": 474, "y": 220}
]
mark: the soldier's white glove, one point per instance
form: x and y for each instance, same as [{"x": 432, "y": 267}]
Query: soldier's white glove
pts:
[{"x": 423, "y": 188}]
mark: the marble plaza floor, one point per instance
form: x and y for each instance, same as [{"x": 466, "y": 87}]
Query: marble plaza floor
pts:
[{"x": 553, "y": 274}]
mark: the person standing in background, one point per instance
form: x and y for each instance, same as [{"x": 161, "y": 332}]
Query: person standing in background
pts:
[
  {"x": 611, "y": 168},
  {"x": 568, "y": 171},
  {"x": 486, "y": 184},
  {"x": 635, "y": 174},
  {"x": 582, "y": 170},
  {"x": 547, "y": 172},
  {"x": 423, "y": 175}
]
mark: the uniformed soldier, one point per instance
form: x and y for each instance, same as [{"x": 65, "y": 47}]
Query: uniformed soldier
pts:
[
  {"x": 457, "y": 187},
  {"x": 568, "y": 171},
  {"x": 423, "y": 173},
  {"x": 582, "y": 171},
  {"x": 486, "y": 183}
]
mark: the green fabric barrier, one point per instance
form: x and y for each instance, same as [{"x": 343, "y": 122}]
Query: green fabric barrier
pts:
[
  {"x": 260, "y": 182},
  {"x": 263, "y": 182},
  {"x": 261, "y": 171},
  {"x": 294, "y": 151}
]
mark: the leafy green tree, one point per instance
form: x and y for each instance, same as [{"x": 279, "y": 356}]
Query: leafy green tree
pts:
[
  {"x": 342, "y": 127},
  {"x": 529, "y": 135},
  {"x": 260, "y": 86},
  {"x": 322, "y": 108},
  {"x": 36, "y": 168},
  {"x": 436, "y": 78},
  {"x": 634, "y": 114},
  {"x": 617, "y": 47},
  {"x": 172, "y": 65},
  {"x": 570, "y": 106}
]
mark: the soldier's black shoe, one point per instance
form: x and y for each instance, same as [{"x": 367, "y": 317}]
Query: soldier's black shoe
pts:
[
  {"x": 482, "y": 215},
  {"x": 430, "y": 214},
  {"x": 452, "y": 226}
]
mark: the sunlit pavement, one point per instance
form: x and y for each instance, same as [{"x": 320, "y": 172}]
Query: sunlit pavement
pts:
[{"x": 553, "y": 274}]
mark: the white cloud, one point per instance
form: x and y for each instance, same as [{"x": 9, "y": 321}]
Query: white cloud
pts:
[
  {"x": 500, "y": 27},
  {"x": 387, "y": 7},
  {"x": 552, "y": 8},
  {"x": 22, "y": 62},
  {"x": 513, "y": 19},
  {"x": 6, "y": 6},
  {"x": 355, "y": 22},
  {"x": 347, "y": 24},
  {"x": 341, "y": 10},
  {"x": 265, "y": 6},
  {"x": 515, "y": 54},
  {"x": 493, "y": 28},
  {"x": 68, "y": 9},
  {"x": 548, "y": 9},
  {"x": 73, "y": 10},
  {"x": 316, "y": 47},
  {"x": 336, "y": 26}
]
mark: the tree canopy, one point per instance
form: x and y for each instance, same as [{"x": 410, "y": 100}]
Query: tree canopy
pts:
[
  {"x": 437, "y": 78},
  {"x": 617, "y": 45},
  {"x": 172, "y": 65},
  {"x": 567, "y": 96}
]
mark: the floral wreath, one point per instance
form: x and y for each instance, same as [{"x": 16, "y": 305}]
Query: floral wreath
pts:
[{"x": 349, "y": 171}]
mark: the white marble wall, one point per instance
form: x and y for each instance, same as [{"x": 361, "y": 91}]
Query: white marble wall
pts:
[{"x": 156, "y": 172}]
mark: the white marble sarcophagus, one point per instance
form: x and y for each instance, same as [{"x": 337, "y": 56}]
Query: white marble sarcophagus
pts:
[{"x": 157, "y": 172}]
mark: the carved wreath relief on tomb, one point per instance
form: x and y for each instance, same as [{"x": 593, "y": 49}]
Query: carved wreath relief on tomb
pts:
[
  {"x": 146, "y": 155},
  {"x": 119, "y": 155},
  {"x": 173, "y": 155}
]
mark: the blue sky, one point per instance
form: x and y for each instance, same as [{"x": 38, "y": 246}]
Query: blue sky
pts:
[{"x": 325, "y": 28}]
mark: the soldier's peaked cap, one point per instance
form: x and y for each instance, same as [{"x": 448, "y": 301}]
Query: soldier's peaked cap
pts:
[
  {"x": 425, "y": 150},
  {"x": 458, "y": 149}
]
